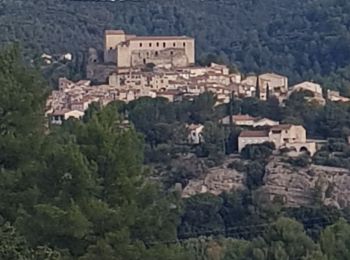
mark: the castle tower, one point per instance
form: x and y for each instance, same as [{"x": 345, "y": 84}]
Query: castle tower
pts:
[{"x": 112, "y": 39}]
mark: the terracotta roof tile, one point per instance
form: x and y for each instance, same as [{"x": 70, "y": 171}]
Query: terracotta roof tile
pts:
[
  {"x": 254, "y": 134},
  {"x": 242, "y": 117},
  {"x": 281, "y": 127}
]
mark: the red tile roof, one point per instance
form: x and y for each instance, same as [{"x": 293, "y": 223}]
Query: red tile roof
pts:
[
  {"x": 281, "y": 127},
  {"x": 242, "y": 118},
  {"x": 248, "y": 133}
]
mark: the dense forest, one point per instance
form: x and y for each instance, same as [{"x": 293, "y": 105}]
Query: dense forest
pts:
[
  {"x": 87, "y": 190},
  {"x": 306, "y": 40}
]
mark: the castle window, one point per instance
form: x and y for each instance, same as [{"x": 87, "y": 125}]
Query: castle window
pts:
[
  {"x": 171, "y": 53},
  {"x": 164, "y": 44},
  {"x": 110, "y": 48},
  {"x": 144, "y": 61},
  {"x": 150, "y": 44},
  {"x": 140, "y": 44},
  {"x": 156, "y": 54},
  {"x": 157, "y": 44},
  {"x": 184, "y": 44},
  {"x": 174, "y": 44}
]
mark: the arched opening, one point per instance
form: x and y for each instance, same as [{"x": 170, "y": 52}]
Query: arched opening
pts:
[
  {"x": 144, "y": 61},
  {"x": 156, "y": 54},
  {"x": 304, "y": 150}
]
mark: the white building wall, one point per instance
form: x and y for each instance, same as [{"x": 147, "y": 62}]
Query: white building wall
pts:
[{"x": 243, "y": 141}]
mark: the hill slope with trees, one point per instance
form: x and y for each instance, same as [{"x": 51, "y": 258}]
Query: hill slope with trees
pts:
[
  {"x": 304, "y": 40},
  {"x": 82, "y": 190}
]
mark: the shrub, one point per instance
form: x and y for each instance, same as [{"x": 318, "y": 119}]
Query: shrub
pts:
[
  {"x": 257, "y": 151},
  {"x": 302, "y": 160},
  {"x": 237, "y": 165}
]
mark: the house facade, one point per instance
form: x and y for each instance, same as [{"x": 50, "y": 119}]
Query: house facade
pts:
[{"x": 283, "y": 136}]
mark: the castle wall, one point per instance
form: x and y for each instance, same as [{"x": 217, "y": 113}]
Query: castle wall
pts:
[
  {"x": 123, "y": 55},
  {"x": 174, "y": 56},
  {"x": 190, "y": 51},
  {"x": 135, "y": 51}
]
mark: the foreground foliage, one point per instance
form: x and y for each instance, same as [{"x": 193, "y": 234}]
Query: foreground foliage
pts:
[{"x": 81, "y": 191}]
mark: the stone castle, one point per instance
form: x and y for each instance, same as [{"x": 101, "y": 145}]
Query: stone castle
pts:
[{"x": 127, "y": 50}]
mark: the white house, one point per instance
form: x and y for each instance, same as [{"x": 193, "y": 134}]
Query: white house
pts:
[
  {"x": 57, "y": 117},
  {"x": 252, "y": 137},
  {"x": 195, "y": 135}
]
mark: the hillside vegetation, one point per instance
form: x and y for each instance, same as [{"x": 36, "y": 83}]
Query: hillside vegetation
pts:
[
  {"x": 82, "y": 191},
  {"x": 304, "y": 40}
]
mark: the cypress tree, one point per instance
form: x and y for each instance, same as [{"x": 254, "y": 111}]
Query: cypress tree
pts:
[
  {"x": 257, "y": 88},
  {"x": 267, "y": 92}
]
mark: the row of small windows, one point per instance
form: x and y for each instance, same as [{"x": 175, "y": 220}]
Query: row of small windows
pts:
[
  {"x": 155, "y": 54},
  {"x": 164, "y": 44}
]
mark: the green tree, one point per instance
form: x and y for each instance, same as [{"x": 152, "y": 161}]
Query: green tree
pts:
[
  {"x": 22, "y": 126},
  {"x": 335, "y": 241}
]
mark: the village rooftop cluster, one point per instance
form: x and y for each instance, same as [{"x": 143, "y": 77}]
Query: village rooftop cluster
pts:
[{"x": 164, "y": 67}]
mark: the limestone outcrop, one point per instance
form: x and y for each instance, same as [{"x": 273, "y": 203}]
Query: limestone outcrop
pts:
[
  {"x": 216, "y": 181},
  {"x": 295, "y": 186},
  {"x": 305, "y": 186}
]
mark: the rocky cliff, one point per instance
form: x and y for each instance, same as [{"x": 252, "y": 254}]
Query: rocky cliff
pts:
[
  {"x": 216, "y": 180},
  {"x": 295, "y": 186},
  {"x": 304, "y": 186}
]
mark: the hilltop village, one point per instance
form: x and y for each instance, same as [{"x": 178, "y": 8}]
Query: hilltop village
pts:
[{"x": 164, "y": 66}]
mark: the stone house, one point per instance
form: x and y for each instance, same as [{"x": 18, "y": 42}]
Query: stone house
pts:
[
  {"x": 336, "y": 97},
  {"x": 283, "y": 136},
  {"x": 247, "y": 137},
  {"x": 311, "y": 87},
  {"x": 277, "y": 85}
]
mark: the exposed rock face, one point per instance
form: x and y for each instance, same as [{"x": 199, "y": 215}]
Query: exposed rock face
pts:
[
  {"x": 296, "y": 186},
  {"x": 98, "y": 73},
  {"x": 216, "y": 181},
  {"x": 304, "y": 186}
]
